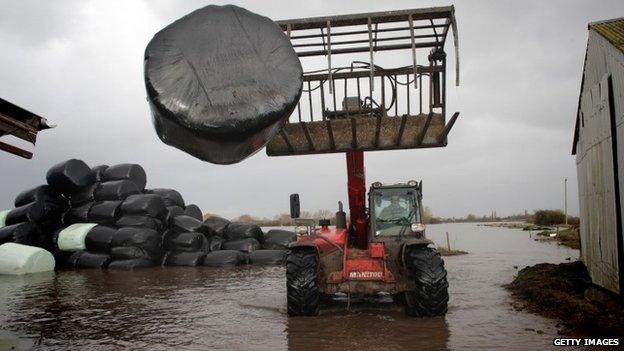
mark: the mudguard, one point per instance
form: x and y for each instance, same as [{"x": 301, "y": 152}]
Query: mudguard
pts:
[{"x": 302, "y": 245}]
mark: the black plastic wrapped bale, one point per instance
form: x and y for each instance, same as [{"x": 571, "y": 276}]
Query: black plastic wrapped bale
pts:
[
  {"x": 225, "y": 258},
  {"x": 244, "y": 245},
  {"x": 92, "y": 260},
  {"x": 32, "y": 212},
  {"x": 242, "y": 230},
  {"x": 27, "y": 233},
  {"x": 72, "y": 260},
  {"x": 132, "y": 172},
  {"x": 140, "y": 222},
  {"x": 70, "y": 176},
  {"x": 84, "y": 195},
  {"x": 276, "y": 239},
  {"x": 55, "y": 249},
  {"x": 48, "y": 228},
  {"x": 144, "y": 205},
  {"x": 215, "y": 243},
  {"x": 116, "y": 190},
  {"x": 194, "y": 211},
  {"x": 268, "y": 257},
  {"x": 99, "y": 238},
  {"x": 183, "y": 224},
  {"x": 188, "y": 259},
  {"x": 62, "y": 259},
  {"x": 39, "y": 193},
  {"x": 172, "y": 212},
  {"x": 131, "y": 264},
  {"x": 221, "y": 82},
  {"x": 104, "y": 212},
  {"x": 185, "y": 242},
  {"x": 98, "y": 171},
  {"x": 129, "y": 252},
  {"x": 144, "y": 238},
  {"x": 77, "y": 214},
  {"x": 171, "y": 197},
  {"x": 218, "y": 224}
]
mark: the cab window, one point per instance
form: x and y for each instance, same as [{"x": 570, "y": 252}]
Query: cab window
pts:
[{"x": 394, "y": 210}]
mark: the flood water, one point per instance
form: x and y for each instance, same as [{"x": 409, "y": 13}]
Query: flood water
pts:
[{"x": 245, "y": 308}]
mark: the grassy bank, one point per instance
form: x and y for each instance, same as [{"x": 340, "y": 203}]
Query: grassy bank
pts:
[
  {"x": 565, "y": 292},
  {"x": 515, "y": 225},
  {"x": 446, "y": 252},
  {"x": 568, "y": 237}
]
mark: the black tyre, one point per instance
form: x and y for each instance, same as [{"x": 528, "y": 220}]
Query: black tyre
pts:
[
  {"x": 302, "y": 283},
  {"x": 399, "y": 299},
  {"x": 430, "y": 298}
]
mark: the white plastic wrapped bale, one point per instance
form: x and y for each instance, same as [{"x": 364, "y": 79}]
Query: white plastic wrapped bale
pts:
[
  {"x": 3, "y": 215},
  {"x": 73, "y": 237},
  {"x": 18, "y": 259}
]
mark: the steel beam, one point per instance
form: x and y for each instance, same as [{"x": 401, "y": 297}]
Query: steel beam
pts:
[
  {"x": 362, "y": 18},
  {"x": 15, "y": 150},
  {"x": 368, "y": 49}
]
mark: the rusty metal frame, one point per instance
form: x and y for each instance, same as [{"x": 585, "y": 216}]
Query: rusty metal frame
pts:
[
  {"x": 362, "y": 18},
  {"x": 377, "y": 73},
  {"x": 447, "y": 128},
  {"x": 413, "y": 30},
  {"x": 20, "y": 123},
  {"x": 368, "y": 23},
  {"x": 304, "y": 126},
  {"x": 423, "y": 132},
  {"x": 17, "y": 128}
]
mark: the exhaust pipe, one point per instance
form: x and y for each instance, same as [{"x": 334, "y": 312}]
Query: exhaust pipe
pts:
[{"x": 341, "y": 217}]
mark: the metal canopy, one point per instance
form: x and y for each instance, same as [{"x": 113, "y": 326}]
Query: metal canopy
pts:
[{"x": 20, "y": 123}]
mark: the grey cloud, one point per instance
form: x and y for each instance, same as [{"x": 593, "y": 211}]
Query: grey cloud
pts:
[{"x": 80, "y": 64}]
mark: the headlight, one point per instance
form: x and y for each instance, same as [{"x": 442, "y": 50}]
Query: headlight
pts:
[
  {"x": 301, "y": 230},
  {"x": 376, "y": 184},
  {"x": 418, "y": 227},
  {"x": 412, "y": 183}
]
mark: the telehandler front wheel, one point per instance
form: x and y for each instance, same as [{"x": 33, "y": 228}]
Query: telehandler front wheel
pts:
[
  {"x": 302, "y": 283},
  {"x": 430, "y": 297}
]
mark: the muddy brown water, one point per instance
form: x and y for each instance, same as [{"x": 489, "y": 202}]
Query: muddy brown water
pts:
[{"x": 245, "y": 308}]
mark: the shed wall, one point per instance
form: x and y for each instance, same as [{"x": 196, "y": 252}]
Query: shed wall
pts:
[{"x": 594, "y": 159}]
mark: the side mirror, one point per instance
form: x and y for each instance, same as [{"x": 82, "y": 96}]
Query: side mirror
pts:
[{"x": 295, "y": 207}]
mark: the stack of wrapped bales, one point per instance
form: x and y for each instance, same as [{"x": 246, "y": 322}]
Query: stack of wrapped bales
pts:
[
  {"x": 104, "y": 217},
  {"x": 37, "y": 214}
]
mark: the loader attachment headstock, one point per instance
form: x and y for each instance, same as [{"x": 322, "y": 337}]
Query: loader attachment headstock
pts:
[{"x": 354, "y": 104}]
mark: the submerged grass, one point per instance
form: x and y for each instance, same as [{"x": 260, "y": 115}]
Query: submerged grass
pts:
[
  {"x": 446, "y": 252},
  {"x": 568, "y": 237}
]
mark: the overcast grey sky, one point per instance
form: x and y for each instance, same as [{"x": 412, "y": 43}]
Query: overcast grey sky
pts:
[{"x": 79, "y": 63}]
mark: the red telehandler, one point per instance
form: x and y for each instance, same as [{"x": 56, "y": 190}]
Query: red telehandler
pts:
[{"x": 382, "y": 248}]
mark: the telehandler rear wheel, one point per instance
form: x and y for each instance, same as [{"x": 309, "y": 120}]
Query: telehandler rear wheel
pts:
[
  {"x": 301, "y": 283},
  {"x": 430, "y": 298}
]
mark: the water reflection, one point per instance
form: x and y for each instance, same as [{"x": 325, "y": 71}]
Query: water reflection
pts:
[{"x": 367, "y": 328}]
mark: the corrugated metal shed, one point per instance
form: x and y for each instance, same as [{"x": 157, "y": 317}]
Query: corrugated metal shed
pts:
[
  {"x": 612, "y": 30},
  {"x": 20, "y": 123},
  {"x": 599, "y": 149}
]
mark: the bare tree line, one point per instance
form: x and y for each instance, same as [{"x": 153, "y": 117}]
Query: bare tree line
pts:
[{"x": 283, "y": 219}]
